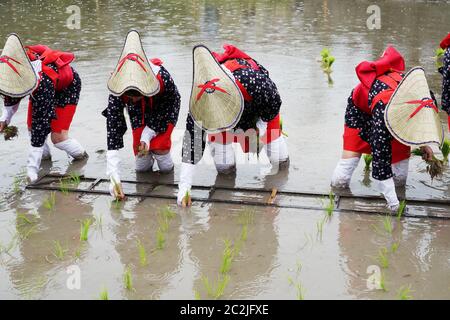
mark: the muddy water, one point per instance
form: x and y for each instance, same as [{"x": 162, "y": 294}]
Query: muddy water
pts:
[{"x": 284, "y": 247}]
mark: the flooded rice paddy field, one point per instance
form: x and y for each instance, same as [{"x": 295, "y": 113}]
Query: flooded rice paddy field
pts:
[{"x": 275, "y": 253}]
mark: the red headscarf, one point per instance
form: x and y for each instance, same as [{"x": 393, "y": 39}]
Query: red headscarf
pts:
[
  {"x": 446, "y": 42},
  {"x": 231, "y": 52},
  {"x": 368, "y": 71}
]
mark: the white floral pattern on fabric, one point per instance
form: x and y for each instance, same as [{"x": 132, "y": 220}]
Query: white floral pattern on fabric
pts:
[
  {"x": 265, "y": 105},
  {"x": 446, "y": 83}
]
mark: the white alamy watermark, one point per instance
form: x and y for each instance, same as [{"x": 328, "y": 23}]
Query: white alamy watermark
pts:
[
  {"x": 374, "y": 20},
  {"x": 74, "y": 20},
  {"x": 74, "y": 280},
  {"x": 373, "y": 282}
]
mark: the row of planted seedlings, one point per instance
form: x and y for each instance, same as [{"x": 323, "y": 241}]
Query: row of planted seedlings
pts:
[
  {"x": 215, "y": 288},
  {"x": 165, "y": 216}
]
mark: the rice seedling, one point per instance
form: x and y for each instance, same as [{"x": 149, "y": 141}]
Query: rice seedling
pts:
[
  {"x": 50, "y": 201},
  {"x": 84, "y": 229},
  {"x": 104, "y": 294},
  {"x": 168, "y": 213},
  {"x": 383, "y": 282},
  {"x": 394, "y": 247},
  {"x": 246, "y": 217},
  {"x": 10, "y": 132},
  {"x": 197, "y": 295},
  {"x": 64, "y": 186},
  {"x": 16, "y": 185},
  {"x": 404, "y": 293},
  {"x": 368, "y": 158},
  {"x": 439, "y": 57},
  {"x": 160, "y": 239},
  {"x": 329, "y": 208},
  {"x": 319, "y": 225},
  {"x": 300, "y": 291},
  {"x": 58, "y": 251},
  {"x": 216, "y": 290},
  {"x": 387, "y": 224},
  {"x": 163, "y": 222},
  {"x": 22, "y": 220},
  {"x": 435, "y": 166},
  {"x": 75, "y": 178},
  {"x": 244, "y": 233},
  {"x": 25, "y": 233},
  {"x": 187, "y": 200},
  {"x": 401, "y": 209},
  {"x": 382, "y": 258},
  {"x": 128, "y": 279},
  {"x": 445, "y": 149},
  {"x": 281, "y": 128},
  {"x": 142, "y": 253},
  {"x": 119, "y": 195},
  {"x": 227, "y": 258},
  {"x": 327, "y": 60}
]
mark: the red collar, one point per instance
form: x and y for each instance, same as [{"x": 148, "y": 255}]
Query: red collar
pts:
[
  {"x": 446, "y": 42},
  {"x": 368, "y": 71}
]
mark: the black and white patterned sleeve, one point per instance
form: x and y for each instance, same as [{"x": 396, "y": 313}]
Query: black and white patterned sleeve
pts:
[
  {"x": 355, "y": 118},
  {"x": 167, "y": 104},
  {"x": 194, "y": 142},
  {"x": 381, "y": 144},
  {"x": 116, "y": 125},
  {"x": 43, "y": 111},
  {"x": 446, "y": 83}
]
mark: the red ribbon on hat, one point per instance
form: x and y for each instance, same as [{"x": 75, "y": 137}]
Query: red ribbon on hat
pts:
[
  {"x": 133, "y": 57},
  {"x": 425, "y": 103},
  {"x": 209, "y": 85},
  {"x": 5, "y": 59}
]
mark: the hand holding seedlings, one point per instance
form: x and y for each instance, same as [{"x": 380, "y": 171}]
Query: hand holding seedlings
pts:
[
  {"x": 187, "y": 200},
  {"x": 118, "y": 191},
  {"x": 143, "y": 149},
  {"x": 435, "y": 167}
]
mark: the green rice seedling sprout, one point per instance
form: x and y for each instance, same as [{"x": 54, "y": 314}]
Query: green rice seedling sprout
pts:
[
  {"x": 327, "y": 60},
  {"x": 163, "y": 223},
  {"x": 64, "y": 186},
  {"x": 197, "y": 295},
  {"x": 168, "y": 213},
  {"x": 382, "y": 258},
  {"x": 368, "y": 158},
  {"x": 383, "y": 282},
  {"x": 160, "y": 239},
  {"x": 401, "y": 209},
  {"x": 329, "y": 208},
  {"x": 387, "y": 224},
  {"x": 320, "y": 224},
  {"x": 16, "y": 186},
  {"x": 104, "y": 294},
  {"x": 300, "y": 291},
  {"x": 439, "y": 57},
  {"x": 50, "y": 201},
  {"x": 128, "y": 279},
  {"x": 25, "y": 233},
  {"x": 404, "y": 293},
  {"x": 142, "y": 253},
  {"x": 394, "y": 247},
  {"x": 23, "y": 220},
  {"x": 281, "y": 128},
  {"x": 58, "y": 251},
  {"x": 75, "y": 178},
  {"x": 445, "y": 149},
  {"x": 84, "y": 229},
  {"x": 244, "y": 233},
  {"x": 227, "y": 258},
  {"x": 217, "y": 289}
]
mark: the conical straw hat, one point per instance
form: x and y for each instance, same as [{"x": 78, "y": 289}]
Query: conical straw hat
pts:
[
  {"x": 411, "y": 115},
  {"x": 17, "y": 77},
  {"x": 216, "y": 102},
  {"x": 133, "y": 71}
]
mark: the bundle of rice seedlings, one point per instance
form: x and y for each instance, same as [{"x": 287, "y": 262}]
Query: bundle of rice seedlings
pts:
[
  {"x": 327, "y": 60},
  {"x": 10, "y": 132},
  {"x": 439, "y": 58},
  {"x": 368, "y": 161},
  {"x": 435, "y": 167}
]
